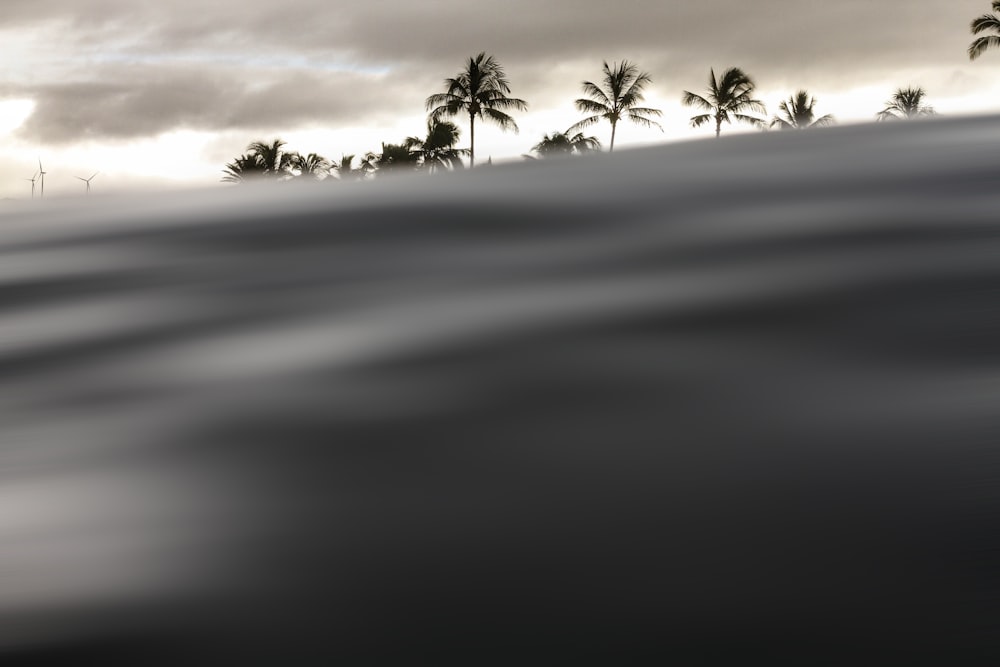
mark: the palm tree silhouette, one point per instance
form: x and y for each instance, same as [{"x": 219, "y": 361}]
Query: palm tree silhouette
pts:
[
  {"x": 394, "y": 158},
  {"x": 277, "y": 163},
  {"x": 561, "y": 143},
  {"x": 480, "y": 90},
  {"x": 617, "y": 98},
  {"x": 798, "y": 113},
  {"x": 906, "y": 103},
  {"x": 727, "y": 98},
  {"x": 982, "y": 24},
  {"x": 345, "y": 169},
  {"x": 437, "y": 150},
  {"x": 244, "y": 168},
  {"x": 311, "y": 166}
]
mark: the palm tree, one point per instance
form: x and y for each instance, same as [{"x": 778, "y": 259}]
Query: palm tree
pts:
[
  {"x": 345, "y": 169},
  {"x": 906, "y": 103},
  {"x": 244, "y": 168},
  {"x": 277, "y": 163},
  {"x": 437, "y": 150},
  {"x": 982, "y": 24},
  {"x": 480, "y": 90},
  {"x": 394, "y": 158},
  {"x": 311, "y": 166},
  {"x": 618, "y": 98},
  {"x": 798, "y": 113},
  {"x": 561, "y": 143},
  {"x": 368, "y": 166},
  {"x": 729, "y": 97}
]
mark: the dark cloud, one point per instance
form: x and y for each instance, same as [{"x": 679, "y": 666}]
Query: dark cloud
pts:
[
  {"x": 143, "y": 101},
  {"x": 153, "y": 67}
]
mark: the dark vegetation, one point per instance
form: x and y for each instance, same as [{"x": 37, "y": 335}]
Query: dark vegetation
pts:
[{"x": 481, "y": 91}]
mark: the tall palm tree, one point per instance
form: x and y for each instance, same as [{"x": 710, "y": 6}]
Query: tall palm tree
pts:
[
  {"x": 906, "y": 103},
  {"x": 986, "y": 22},
  {"x": 617, "y": 98},
  {"x": 437, "y": 150},
  {"x": 798, "y": 113},
  {"x": 727, "y": 98},
  {"x": 480, "y": 90},
  {"x": 561, "y": 143}
]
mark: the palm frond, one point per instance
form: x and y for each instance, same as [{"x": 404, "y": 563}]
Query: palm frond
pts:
[
  {"x": 645, "y": 111},
  {"x": 643, "y": 121},
  {"x": 752, "y": 105},
  {"x": 499, "y": 102},
  {"x": 596, "y": 94},
  {"x": 590, "y": 106},
  {"x": 690, "y": 99},
  {"x": 698, "y": 121},
  {"x": 752, "y": 120},
  {"x": 985, "y": 22},
  {"x": 981, "y": 44},
  {"x": 500, "y": 118},
  {"x": 586, "y": 122}
]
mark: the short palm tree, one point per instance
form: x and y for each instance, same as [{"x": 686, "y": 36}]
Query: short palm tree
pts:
[
  {"x": 481, "y": 90},
  {"x": 798, "y": 113},
  {"x": 246, "y": 167},
  {"x": 906, "y": 103},
  {"x": 394, "y": 158},
  {"x": 437, "y": 150},
  {"x": 985, "y": 23},
  {"x": 618, "y": 97},
  {"x": 277, "y": 163},
  {"x": 562, "y": 143},
  {"x": 311, "y": 166},
  {"x": 728, "y": 98},
  {"x": 345, "y": 169}
]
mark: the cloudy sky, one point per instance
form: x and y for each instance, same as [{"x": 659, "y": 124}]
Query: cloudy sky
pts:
[{"x": 162, "y": 94}]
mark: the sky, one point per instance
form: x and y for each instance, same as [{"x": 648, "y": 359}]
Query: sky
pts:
[{"x": 156, "y": 94}]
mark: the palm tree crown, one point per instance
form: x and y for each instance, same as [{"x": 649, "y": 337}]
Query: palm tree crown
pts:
[
  {"x": 906, "y": 103},
  {"x": 311, "y": 166},
  {"x": 985, "y": 23},
  {"x": 345, "y": 169},
  {"x": 277, "y": 162},
  {"x": 246, "y": 167},
  {"x": 562, "y": 143},
  {"x": 394, "y": 158},
  {"x": 617, "y": 98},
  {"x": 480, "y": 90},
  {"x": 261, "y": 161},
  {"x": 437, "y": 150},
  {"x": 727, "y": 98},
  {"x": 798, "y": 113}
]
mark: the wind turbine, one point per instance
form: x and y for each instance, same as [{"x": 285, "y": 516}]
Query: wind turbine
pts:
[
  {"x": 32, "y": 179},
  {"x": 88, "y": 180},
  {"x": 41, "y": 172}
]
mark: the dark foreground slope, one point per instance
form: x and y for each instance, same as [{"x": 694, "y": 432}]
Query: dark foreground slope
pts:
[{"x": 710, "y": 403}]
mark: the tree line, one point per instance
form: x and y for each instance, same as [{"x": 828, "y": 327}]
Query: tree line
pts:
[{"x": 482, "y": 92}]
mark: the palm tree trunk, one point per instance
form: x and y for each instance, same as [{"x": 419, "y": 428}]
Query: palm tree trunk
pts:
[
  {"x": 718, "y": 126},
  {"x": 614, "y": 126},
  {"x": 472, "y": 140}
]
